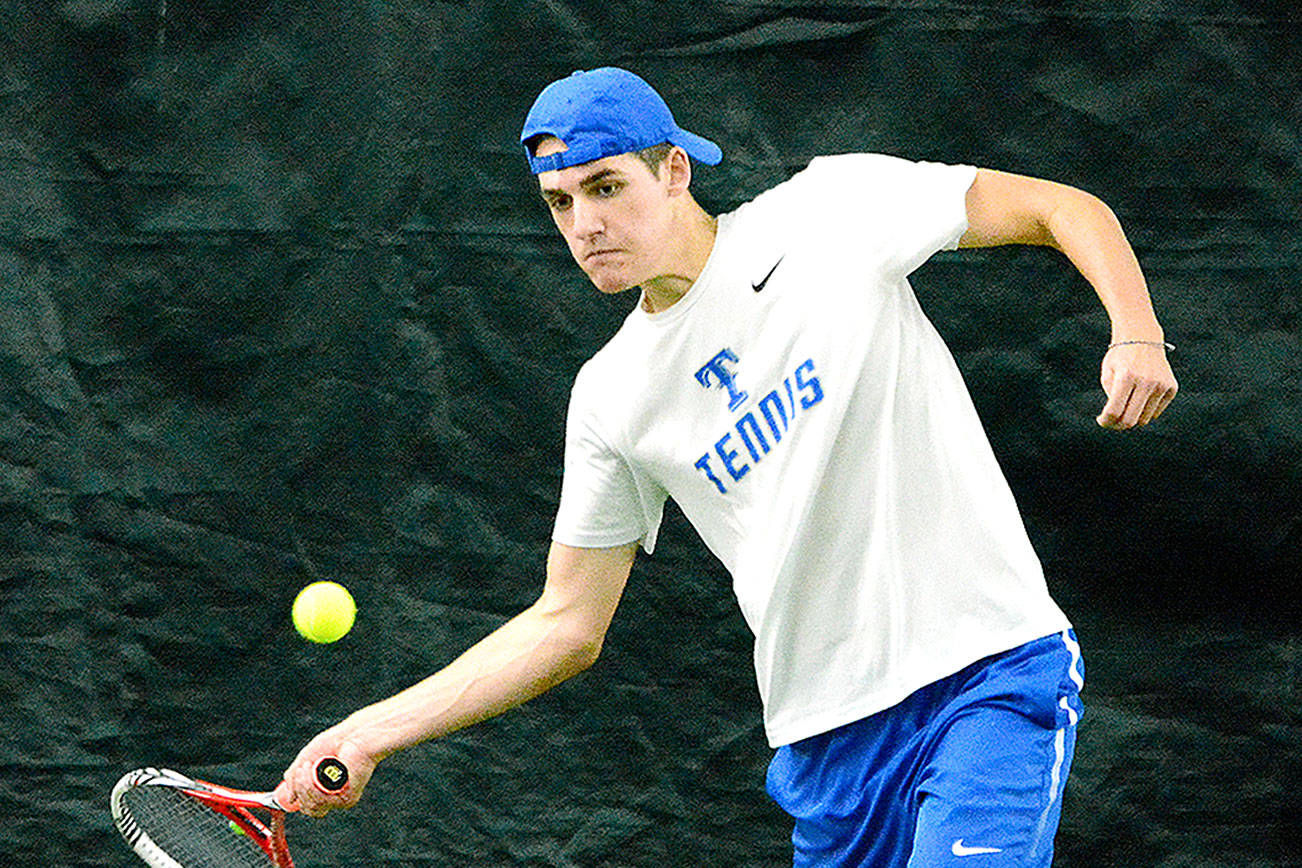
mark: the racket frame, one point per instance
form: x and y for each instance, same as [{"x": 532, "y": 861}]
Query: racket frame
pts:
[{"x": 237, "y": 806}]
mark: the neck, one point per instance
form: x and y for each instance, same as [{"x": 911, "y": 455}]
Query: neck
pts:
[{"x": 694, "y": 244}]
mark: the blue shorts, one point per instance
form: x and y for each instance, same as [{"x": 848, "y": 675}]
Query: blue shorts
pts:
[{"x": 968, "y": 771}]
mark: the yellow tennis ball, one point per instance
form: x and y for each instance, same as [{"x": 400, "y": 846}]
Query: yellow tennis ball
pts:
[{"x": 324, "y": 611}]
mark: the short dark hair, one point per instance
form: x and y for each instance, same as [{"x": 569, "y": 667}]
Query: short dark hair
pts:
[{"x": 654, "y": 156}]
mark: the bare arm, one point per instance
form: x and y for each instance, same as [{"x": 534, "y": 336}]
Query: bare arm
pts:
[
  {"x": 1013, "y": 209},
  {"x": 556, "y": 638}
]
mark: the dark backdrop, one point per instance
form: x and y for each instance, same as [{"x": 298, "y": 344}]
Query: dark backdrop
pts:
[{"x": 278, "y": 302}]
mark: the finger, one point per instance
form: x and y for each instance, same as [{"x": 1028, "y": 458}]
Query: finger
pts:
[
  {"x": 319, "y": 806},
  {"x": 305, "y": 795},
  {"x": 1167, "y": 397},
  {"x": 1136, "y": 406},
  {"x": 1115, "y": 408},
  {"x": 310, "y": 805},
  {"x": 1152, "y": 407},
  {"x": 1163, "y": 400}
]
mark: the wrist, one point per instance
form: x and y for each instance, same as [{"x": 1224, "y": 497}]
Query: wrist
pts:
[
  {"x": 379, "y": 731},
  {"x": 362, "y": 735},
  {"x": 1146, "y": 343},
  {"x": 1137, "y": 331}
]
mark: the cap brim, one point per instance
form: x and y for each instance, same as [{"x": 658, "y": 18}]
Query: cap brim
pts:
[{"x": 697, "y": 147}]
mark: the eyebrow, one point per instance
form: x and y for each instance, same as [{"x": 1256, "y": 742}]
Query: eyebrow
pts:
[{"x": 586, "y": 183}]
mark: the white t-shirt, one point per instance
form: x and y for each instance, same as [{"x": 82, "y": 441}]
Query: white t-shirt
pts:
[{"x": 814, "y": 429}]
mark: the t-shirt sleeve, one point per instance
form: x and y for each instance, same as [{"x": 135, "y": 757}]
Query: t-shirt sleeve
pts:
[
  {"x": 898, "y": 212},
  {"x": 602, "y": 503}
]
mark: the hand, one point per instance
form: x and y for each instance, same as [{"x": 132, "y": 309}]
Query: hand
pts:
[
  {"x": 1139, "y": 384},
  {"x": 298, "y": 790}
]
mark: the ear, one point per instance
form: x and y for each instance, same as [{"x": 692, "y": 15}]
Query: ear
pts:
[
  {"x": 545, "y": 144},
  {"x": 678, "y": 170}
]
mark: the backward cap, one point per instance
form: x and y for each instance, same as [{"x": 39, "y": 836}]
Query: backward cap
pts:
[{"x": 603, "y": 112}]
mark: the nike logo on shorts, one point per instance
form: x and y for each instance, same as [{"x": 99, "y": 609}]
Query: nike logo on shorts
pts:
[{"x": 960, "y": 850}]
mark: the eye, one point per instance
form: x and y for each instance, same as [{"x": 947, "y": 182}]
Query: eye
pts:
[
  {"x": 605, "y": 191},
  {"x": 559, "y": 203}
]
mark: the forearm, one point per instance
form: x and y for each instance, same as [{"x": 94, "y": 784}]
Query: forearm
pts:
[
  {"x": 526, "y": 656},
  {"x": 554, "y": 639},
  {"x": 1091, "y": 237},
  {"x": 1013, "y": 209}
]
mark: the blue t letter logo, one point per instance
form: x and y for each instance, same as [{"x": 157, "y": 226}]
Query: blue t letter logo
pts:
[{"x": 716, "y": 369}]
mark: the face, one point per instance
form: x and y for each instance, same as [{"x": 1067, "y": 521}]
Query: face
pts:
[{"x": 614, "y": 213}]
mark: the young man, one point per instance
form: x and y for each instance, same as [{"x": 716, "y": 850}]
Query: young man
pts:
[{"x": 780, "y": 382}]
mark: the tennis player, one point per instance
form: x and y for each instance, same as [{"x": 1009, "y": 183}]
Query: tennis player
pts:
[{"x": 780, "y": 382}]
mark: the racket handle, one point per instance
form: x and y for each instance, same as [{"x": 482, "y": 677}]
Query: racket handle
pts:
[{"x": 330, "y": 775}]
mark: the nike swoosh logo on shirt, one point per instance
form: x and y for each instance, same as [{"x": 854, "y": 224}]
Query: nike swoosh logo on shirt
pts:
[
  {"x": 960, "y": 850},
  {"x": 758, "y": 287}
]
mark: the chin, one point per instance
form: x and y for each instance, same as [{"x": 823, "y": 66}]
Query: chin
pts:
[
  {"x": 612, "y": 288},
  {"x": 610, "y": 284}
]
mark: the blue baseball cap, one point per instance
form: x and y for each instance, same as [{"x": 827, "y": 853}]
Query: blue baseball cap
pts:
[{"x": 603, "y": 112}]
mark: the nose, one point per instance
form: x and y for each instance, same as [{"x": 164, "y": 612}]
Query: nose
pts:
[{"x": 588, "y": 222}]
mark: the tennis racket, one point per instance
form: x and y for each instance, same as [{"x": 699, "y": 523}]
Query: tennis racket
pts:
[{"x": 172, "y": 821}]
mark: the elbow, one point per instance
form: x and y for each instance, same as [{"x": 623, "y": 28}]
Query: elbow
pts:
[
  {"x": 575, "y": 642},
  {"x": 582, "y": 649},
  {"x": 1077, "y": 210}
]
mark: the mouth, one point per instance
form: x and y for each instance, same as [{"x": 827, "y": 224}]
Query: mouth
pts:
[{"x": 600, "y": 254}]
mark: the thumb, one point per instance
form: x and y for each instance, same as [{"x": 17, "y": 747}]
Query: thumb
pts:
[{"x": 285, "y": 795}]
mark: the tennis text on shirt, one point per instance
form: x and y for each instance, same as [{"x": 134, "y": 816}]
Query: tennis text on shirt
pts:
[{"x": 760, "y": 429}]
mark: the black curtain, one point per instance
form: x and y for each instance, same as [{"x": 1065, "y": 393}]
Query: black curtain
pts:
[{"x": 278, "y": 302}]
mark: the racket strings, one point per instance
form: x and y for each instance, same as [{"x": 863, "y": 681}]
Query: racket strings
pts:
[{"x": 191, "y": 833}]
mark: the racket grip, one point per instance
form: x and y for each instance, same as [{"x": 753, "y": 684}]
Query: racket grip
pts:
[{"x": 330, "y": 775}]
